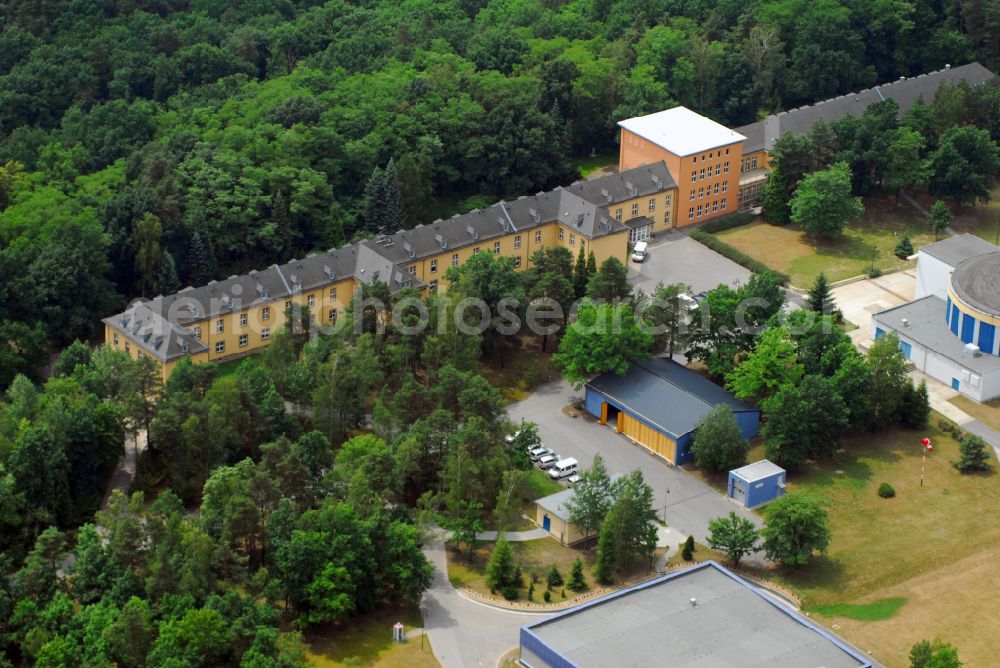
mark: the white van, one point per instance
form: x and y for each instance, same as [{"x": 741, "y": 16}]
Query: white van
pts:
[
  {"x": 564, "y": 468},
  {"x": 639, "y": 252}
]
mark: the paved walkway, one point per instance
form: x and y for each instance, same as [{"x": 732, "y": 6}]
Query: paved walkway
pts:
[{"x": 514, "y": 536}]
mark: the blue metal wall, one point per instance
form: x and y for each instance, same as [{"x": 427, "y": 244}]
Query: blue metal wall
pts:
[
  {"x": 749, "y": 422},
  {"x": 764, "y": 490}
]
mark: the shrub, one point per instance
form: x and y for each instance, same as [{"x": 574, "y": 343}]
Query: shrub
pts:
[
  {"x": 531, "y": 592},
  {"x": 874, "y": 272},
  {"x": 547, "y": 596},
  {"x": 975, "y": 454},
  {"x": 904, "y": 248},
  {"x": 555, "y": 578},
  {"x": 564, "y": 592},
  {"x": 687, "y": 552},
  {"x": 510, "y": 593},
  {"x": 886, "y": 491},
  {"x": 724, "y": 223},
  {"x": 737, "y": 256}
]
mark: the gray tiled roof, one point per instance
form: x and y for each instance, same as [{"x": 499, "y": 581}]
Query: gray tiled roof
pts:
[
  {"x": 906, "y": 92},
  {"x": 666, "y": 394},
  {"x": 621, "y": 186},
  {"x": 926, "y": 327},
  {"x": 959, "y": 248},
  {"x": 699, "y": 617},
  {"x": 144, "y": 325}
]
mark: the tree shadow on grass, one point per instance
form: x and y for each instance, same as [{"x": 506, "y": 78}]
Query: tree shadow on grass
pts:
[{"x": 822, "y": 572}]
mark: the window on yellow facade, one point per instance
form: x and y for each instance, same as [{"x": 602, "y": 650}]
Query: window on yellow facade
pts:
[
  {"x": 288, "y": 305},
  {"x": 725, "y": 167},
  {"x": 699, "y": 209},
  {"x": 220, "y": 346},
  {"x": 517, "y": 261},
  {"x": 434, "y": 285},
  {"x": 701, "y": 192},
  {"x": 333, "y": 294},
  {"x": 666, "y": 217},
  {"x": 668, "y": 200},
  {"x": 717, "y": 170},
  {"x": 475, "y": 251},
  {"x": 434, "y": 266},
  {"x": 692, "y": 195},
  {"x": 694, "y": 176},
  {"x": 265, "y": 313},
  {"x": 727, "y": 151},
  {"x": 652, "y": 204},
  {"x": 715, "y": 190},
  {"x": 496, "y": 247},
  {"x": 265, "y": 333},
  {"x": 311, "y": 301},
  {"x": 715, "y": 206},
  {"x": 115, "y": 338},
  {"x": 332, "y": 315},
  {"x": 635, "y": 209},
  {"x": 725, "y": 186},
  {"x": 538, "y": 237},
  {"x": 517, "y": 241},
  {"x": 618, "y": 213},
  {"x": 412, "y": 269},
  {"x": 220, "y": 326},
  {"x": 701, "y": 175},
  {"x": 197, "y": 333},
  {"x": 244, "y": 339},
  {"x": 690, "y": 213},
  {"x": 562, "y": 234},
  {"x": 454, "y": 259},
  {"x": 572, "y": 240},
  {"x": 723, "y": 205}
]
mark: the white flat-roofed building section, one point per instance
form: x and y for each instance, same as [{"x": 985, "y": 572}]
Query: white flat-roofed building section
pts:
[
  {"x": 701, "y": 617},
  {"x": 681, "y": 131},
  {"x": 758, "y": 471},
  {"x": 936, "y": 262}
]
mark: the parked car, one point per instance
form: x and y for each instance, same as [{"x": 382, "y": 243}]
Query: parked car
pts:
[
  {"x": 639, "y": 251},
  {"x": 701, "y": 295},
  {"x": 548, "y": 461},
  {"x": 690, "y": 303},
  {"x": 537, "y": 453},
  {"x": 572, "y": 480},
  {"x": 564, "y": 468}
]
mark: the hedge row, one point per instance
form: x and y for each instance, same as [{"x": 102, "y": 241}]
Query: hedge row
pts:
[
  {"x": 728, "y": 222},
  {"x": 702, "y": 236}
]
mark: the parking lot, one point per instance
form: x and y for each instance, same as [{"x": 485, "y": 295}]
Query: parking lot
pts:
[
  {"x": 690, "y": 503},
  {"x": 674, "y": 257}
]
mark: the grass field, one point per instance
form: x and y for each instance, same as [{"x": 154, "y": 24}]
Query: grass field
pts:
[
  {"x": 229, "y": 368},
  {"x": 987, "y": 413},
  {"x": 983, "y": 220},
  {"x": 367, "y": 641},
  {"x": 586, "y": 166},
  {"x": 876, "y": 233},
  {"x": 912, "y": 567}
]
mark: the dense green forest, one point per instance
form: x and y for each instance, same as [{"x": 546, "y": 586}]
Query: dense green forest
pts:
[{"x": 148, "y": 145}]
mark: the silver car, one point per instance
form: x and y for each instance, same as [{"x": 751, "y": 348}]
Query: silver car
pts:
[
  {"x": 537, "y": 453},
  {"x": 547, "y": 461}
]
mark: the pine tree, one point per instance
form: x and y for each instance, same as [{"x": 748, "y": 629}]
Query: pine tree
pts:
[
  {"x": 819, "y": 299},
  {"x": 202, "y": 259},
  {"x": 580, "y": 275},
  {"x": 687, "y": 552},
  {"x": 576, "y": 580},
  {"x": 975, "y": 454},
  {"x": 501, "y": 570},
  {"x": 373, "y": 215},
  {"x": 904, "y": 248},
  {"x": 395, "y": 214},
  {"x": 774, "y": 199},
  {"x": 166, "y": 281},
  {"x": 591, "y": 265},
  {"x": 555, "y": 578}
]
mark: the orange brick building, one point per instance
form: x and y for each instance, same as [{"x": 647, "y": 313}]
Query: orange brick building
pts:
[{"x": 702, "y": 156}]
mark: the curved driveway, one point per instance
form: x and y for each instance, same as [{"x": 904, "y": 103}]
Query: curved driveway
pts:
[{"x": 464, "y": 633}]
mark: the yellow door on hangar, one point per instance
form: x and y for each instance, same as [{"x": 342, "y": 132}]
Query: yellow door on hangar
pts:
[{"x": 647, "y": 436}]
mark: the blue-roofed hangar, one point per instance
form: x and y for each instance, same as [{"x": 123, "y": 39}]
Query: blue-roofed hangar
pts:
[{"x": 659, "y": 403}]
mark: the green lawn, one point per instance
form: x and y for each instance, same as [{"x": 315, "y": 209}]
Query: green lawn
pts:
[
  {"x": 918, "y": 565},
  {"x": 585, "y": 166},
  {"x": 983, "y": 220},
  {"x": 874, "y": 235},
  {"x": 224, "y": 369},
  {"x": 367, "y": 641}
]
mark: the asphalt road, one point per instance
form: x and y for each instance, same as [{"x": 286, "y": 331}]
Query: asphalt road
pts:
[{"x": 690, "y": 503}]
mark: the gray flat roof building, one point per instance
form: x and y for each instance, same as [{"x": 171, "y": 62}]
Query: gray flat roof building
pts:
[
  {"x": 758, "y": 470},
  {"x": 976, "y": 282},
  {"x": 699, "y": 617},
  {"x": 958, "y": 248}
]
